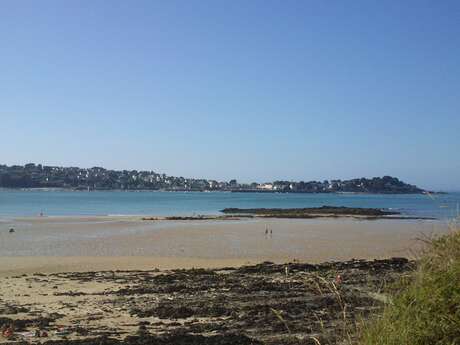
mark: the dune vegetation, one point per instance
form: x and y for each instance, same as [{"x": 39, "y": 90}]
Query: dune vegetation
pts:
[{"x": 424, "y": 310}]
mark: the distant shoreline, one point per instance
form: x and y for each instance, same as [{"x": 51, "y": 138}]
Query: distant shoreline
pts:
[
  {"x": 33, "y": 175},
  {"x": 220, "y": 217},
  {"x": 61, "y": 189}
]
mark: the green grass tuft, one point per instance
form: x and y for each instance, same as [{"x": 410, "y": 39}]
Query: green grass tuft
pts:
[{"x": 426, "y": 310}]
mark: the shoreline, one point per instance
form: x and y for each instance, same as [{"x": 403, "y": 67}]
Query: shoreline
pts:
[
  {"x": 238, "y": 214},
  {"x": 63, "y": 189},
  {"x": 80, "y": 280},
  {"x": 62, "y": 244}
]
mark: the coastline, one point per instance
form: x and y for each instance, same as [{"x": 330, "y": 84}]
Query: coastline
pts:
[
  {"x": 59, "y": 244},
  {"x": 65, "y": 189},
  {"x": 83, "y": 279}
]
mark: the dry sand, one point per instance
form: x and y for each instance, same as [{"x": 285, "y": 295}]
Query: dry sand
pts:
[
  {"x": 59, "y": 244},
  {"x": 229, "y": 306}
]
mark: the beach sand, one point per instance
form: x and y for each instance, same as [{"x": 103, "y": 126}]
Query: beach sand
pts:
[
  {"x": 60, "y": 244},
  {"x": 78, "y": 278},
  {"x": 227, "y": 306}
]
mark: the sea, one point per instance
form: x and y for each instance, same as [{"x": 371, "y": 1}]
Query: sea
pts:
[{"x": 16, "y": 203}]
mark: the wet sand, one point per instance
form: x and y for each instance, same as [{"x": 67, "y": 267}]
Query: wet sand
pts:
[
  {"x": 83, "y": 279},
  {"x": 61, "y": 244}
]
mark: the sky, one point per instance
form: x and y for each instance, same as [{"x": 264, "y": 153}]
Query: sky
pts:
[{"x": 252, "y": 90}]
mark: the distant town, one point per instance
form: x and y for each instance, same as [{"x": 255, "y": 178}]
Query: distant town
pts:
[{"x": 41, "y": 176}]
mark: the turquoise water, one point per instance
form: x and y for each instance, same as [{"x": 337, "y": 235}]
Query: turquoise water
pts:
[{"x": 60, "y": 203}]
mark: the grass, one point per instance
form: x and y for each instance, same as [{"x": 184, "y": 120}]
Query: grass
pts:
[{"x": 425, "y": 310}]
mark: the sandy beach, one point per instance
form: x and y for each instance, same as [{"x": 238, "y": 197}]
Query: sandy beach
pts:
[
  {"x": 60, "y": 244},
  {"x": 193, "y": 307},
  {"x": 137, "y": 281}
]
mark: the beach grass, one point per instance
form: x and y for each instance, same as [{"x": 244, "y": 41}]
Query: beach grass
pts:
[{"x": 424, "y": 310}]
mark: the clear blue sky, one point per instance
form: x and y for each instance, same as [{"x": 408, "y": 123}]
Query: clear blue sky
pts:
[{"x": 253, "y": 90}]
